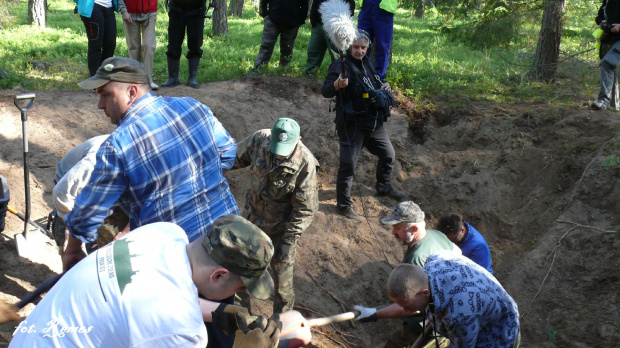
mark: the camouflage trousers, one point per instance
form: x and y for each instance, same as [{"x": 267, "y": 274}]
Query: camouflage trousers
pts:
[
  {"x": 271, "y": 31},
  {"x": 281, "y": 269},
  {"x": 111, "y": 226}
]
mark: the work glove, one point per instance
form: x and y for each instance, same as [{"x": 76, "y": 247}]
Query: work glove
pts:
[
  {"x": 285, "y": 250},
  {"x": 367, "y": 315},
  {"x": 262, "y": 333},
  {"x": 225, "y": 317}
]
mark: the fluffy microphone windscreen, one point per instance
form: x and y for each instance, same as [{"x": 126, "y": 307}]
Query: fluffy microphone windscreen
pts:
[{"x": 338, "y": 23}]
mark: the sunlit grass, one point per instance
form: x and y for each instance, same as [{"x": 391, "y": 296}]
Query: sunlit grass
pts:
[{"x": 427, "y": 61}]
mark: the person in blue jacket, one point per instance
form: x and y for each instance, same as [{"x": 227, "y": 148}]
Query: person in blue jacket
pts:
[
  {"x": 465, "y": 236},
  {"x": 376, "y": 17},
  {"x": 100, "y": 23}
]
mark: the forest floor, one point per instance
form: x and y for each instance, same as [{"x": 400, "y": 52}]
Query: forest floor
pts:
[{"x": 541, "y": 182}]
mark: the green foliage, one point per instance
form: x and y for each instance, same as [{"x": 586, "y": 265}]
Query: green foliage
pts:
[
  {"x": 611, "y": 161},
  {"x": 432, "y": 57},
  {"x": 6, "y": 17}
]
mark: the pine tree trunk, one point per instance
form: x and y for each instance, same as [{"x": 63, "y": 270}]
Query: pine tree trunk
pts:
[
  {"x": 236, "y": 8},
  {"x": 219, "y": 20},
  {"x": 37, "y": 12},
  {"x": 420, "y": 8},
  {"x": 548, "y": 49}
]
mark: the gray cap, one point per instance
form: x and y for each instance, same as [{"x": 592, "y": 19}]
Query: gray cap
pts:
[
  {"x": 404, "y": 212},
  {"x": 119, "y": 69}
]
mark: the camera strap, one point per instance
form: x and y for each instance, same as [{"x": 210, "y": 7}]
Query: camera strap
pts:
[{"x": 362, "y": 78}]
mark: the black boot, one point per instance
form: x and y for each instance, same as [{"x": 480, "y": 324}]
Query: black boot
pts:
[
  {"x": 193, "y": 64},
  {"x": 173, "y": 73}
]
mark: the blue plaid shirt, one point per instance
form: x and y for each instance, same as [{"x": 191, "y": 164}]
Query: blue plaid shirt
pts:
[
  {"x": 471, "y": 308},
  {"x": 163, "y": 162}
]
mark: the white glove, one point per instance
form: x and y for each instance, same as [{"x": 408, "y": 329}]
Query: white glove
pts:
[{"x": 366, "y": 314}]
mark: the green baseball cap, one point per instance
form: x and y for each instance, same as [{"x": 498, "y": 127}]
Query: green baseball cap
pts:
[
  {"x": 284, "y": 136},
  {"x": 119, "y": 69},
  {"x": 244, "y": 249}
]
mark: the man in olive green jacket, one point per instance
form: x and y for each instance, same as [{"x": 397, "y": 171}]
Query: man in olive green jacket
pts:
[{"x": 283, "y": 197}]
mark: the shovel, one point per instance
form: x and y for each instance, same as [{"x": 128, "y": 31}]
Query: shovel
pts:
[
  {"x": 33, "y": 223},
  {"x": 23, "y": 103}
]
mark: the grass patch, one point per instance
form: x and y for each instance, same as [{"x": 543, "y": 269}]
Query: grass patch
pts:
[{"x": 428, "y": 61}]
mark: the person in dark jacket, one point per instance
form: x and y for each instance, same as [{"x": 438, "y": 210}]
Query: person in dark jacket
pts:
[
  {"x": 319, "y": 41},
  {"x": 608, "y": 19},
  {"x": 282, "y": 18},
  {"x": 182, "y": 15},
  {"x": 359, "y": 122}
]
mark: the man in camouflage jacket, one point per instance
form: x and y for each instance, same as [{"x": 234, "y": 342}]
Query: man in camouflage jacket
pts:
[{"x": 283, "y": 197}]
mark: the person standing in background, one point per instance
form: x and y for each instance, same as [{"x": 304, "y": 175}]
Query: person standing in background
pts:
[
  {"x": 376, "y": 17},
  {"x": 98, "y": 18},
  {"x": 139, "y": 18}
]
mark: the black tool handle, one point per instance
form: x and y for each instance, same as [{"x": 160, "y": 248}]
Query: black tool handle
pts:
[{"x": 48, "y": 284}]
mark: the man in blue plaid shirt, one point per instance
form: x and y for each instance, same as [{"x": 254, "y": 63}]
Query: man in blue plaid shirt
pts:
[{"x": 164, "y": 161}]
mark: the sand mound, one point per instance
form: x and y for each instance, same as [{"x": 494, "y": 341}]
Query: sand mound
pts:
[{"x": 541, "y": 182}]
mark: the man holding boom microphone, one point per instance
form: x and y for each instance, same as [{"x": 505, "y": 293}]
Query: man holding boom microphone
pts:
[{"x": 363, "y": 103}]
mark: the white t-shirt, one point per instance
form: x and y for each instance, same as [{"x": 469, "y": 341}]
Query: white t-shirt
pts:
[
  {"x": 104, "y": 3},
  {"x": 135, "y": 292}
]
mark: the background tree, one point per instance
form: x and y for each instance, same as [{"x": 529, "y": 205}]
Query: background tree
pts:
[
  {"x": 37, "y": 12},
  {"x": 420, "y": 8},
  {"x": 219, "y": 20},
  {"x": 236, "y": 8},
  {"x": 548, "y": 48}
]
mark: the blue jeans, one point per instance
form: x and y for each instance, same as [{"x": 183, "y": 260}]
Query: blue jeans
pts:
[{"x": 609, "y": 76}]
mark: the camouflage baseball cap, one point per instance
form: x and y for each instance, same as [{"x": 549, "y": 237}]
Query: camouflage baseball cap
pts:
[
  {"x": 244, "y": 249},
  {"x": 404, "y": 212},
  {"x": 119, "y": 69}
]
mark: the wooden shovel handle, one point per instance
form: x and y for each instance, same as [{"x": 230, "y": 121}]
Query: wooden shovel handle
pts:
[{"x": 333, "y": 319}]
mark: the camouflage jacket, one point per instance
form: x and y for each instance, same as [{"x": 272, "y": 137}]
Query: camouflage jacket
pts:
[{"x": 283, "y": 196}]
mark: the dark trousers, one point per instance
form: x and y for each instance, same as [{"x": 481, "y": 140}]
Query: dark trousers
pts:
[
  {"x": 217, "y": 338},
  {"x": 318, "y": 45},
  {"x": 101, "y": 33},
  {"x": 177, "y": 24},
  {"x": 271, "y": 31},
  {"x": 351, "y": 141}
]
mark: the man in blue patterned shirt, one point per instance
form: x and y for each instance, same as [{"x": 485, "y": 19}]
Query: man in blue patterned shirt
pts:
[
  {"x": 163, "y": 162},
  {"x": 463, "y": 301}
]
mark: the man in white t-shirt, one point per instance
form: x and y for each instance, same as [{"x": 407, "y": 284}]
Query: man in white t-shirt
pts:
[{"x": 142, "y": 290}]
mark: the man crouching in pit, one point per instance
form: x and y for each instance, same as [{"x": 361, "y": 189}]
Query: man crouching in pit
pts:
[{"x": 143, "y": 290}]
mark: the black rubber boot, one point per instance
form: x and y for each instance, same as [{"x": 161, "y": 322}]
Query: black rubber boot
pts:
[
  {"x": 173, "y": 73},
  {"x": 193, "y": 64}
]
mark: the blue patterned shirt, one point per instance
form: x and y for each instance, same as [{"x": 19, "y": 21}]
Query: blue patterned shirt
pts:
[
  {"x": 163, "y": 162},
  {"x": 471, "y": 308}
]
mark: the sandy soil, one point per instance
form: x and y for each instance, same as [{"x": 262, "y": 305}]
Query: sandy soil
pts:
[{"x": 541, "y": 182}]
